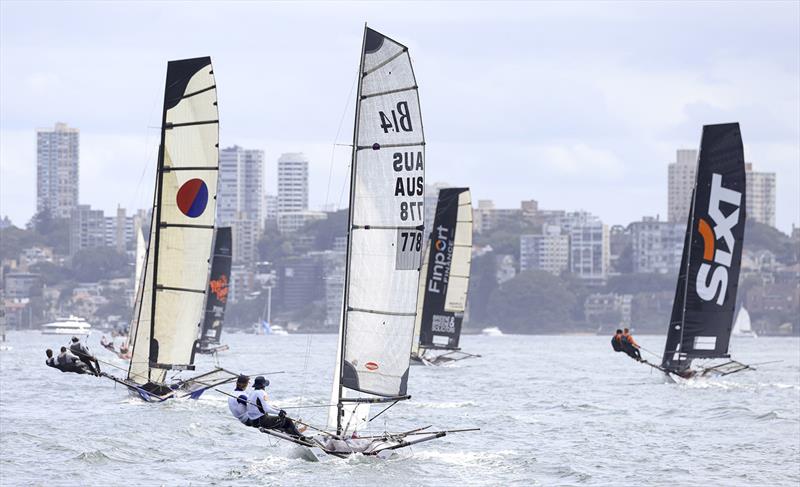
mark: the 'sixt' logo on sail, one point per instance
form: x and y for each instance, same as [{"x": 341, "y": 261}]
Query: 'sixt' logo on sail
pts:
[{"x": 717, "y": 259}]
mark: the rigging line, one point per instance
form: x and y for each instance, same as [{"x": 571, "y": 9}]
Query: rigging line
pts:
[
  {"x": 382, "y": 411},
  {"x": 338, "y": 131}
]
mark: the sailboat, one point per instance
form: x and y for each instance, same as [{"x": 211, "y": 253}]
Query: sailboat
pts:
[
  {"x": 705, "y": 298},
  {"x": 216, "y": 293},
  {"x": 742, "y": 326},
  {"x": 169, "y": 305},
  {"x": 384, "y": 247},
  {"x": 442, "y": 293}
]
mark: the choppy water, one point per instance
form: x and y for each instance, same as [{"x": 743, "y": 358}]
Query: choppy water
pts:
[{"x": 553, "y": 411}]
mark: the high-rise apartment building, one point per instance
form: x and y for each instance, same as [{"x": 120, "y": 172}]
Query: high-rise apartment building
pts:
[
  {"x": 57, "y": 156},
  {"x": 548, "y": 251},
  {"x": 760, "y": 196},
  {"x": 292, "y": 183},
  {"x": 87, "y": 229},
  {"x": 680, "y": 181},
  {"x": 240, "y": 199},
  {"x": 589, "y": 245},
  {"x": 656, "y": 246}
]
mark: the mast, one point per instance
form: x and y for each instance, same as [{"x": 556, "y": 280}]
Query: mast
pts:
[{"x": 351, "y": 207}]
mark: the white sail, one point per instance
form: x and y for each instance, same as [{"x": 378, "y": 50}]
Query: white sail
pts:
[
  {"x": 742, "y": 325},
  {"x": 183, "y": 221},
  {"x": 420, "y": 300},
  {"x": 141, "y": 254},
  {"x": 458, "y": 284},
  {"x": 386, "y": 218}
]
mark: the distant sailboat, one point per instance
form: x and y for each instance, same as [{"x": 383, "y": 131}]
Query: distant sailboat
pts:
[
  {"x": 742, "y": 326},
  {"x": 169, "y": 304},
  {"x": 705, "y": 298},
  {"x": 216, "y": 293},
  {"x": 443, "y": 284},
  {"x": 384, "y": 247}
]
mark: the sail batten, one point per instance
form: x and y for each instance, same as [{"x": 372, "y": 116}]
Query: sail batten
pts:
[{"x": 708, "y": 279}]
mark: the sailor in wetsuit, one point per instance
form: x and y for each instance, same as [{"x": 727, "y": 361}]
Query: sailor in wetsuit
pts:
[
  {"x": 82, "y": 352},
  {"x": 616, "y": 341},
  {"x": 66, "y": 362},
  {"x": 261, "y": 415},
  {"x": 630, "y": 346},
  {"x": 238, "y": 404}
]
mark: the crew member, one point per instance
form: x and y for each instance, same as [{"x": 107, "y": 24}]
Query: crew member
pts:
[
  {"x": 51, "y": 360},
  {"x": 66, "y": 362},
  {"x": 630, "y": 346},
  {"x": 238, "y": 405},
  {"x": 616, "y": 341},
  {"x": 106, "y": 344},
  {"x": 82, "y": 352},
  {"x": 261, "y": 415}
]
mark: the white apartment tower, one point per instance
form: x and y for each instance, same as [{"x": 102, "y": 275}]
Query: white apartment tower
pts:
[
  {"x": 240, "y": 199},
  {"x": 760, "y": 195},
  {"x": 681, "y": 176},
  {"x": 57, "y": 155},
  {"x": 292, "y": 182}
]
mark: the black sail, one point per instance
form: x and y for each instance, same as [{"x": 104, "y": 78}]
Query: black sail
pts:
[
  {"x": 217, "y": 292},
  {"x": 705, "y": 298},
  {"x": 447, "y": 271}
]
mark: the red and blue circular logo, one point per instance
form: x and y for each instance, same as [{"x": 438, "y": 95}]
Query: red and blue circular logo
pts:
[{"x": 193, "y": 198}]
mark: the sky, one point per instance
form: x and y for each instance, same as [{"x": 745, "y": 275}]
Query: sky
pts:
[{"x": 579, "y": 106}]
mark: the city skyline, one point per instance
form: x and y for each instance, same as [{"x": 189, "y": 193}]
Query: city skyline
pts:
[{"x": 539, "y": 113}]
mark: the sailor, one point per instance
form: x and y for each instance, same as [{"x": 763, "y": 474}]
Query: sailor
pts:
[
  {"x": 261, "y": 415},
  {"x": 238, "y": 405},
  {"x": 82, "y": 352},
  {"x": 106, "y": 344},
  {"x": 630, "y": 346},
  {"x": 66, "y": 362},
  {"x": 51, "y": 360},
  {"x": 616, "y": 341}
]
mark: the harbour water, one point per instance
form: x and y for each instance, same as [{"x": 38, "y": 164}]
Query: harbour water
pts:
[{"x": 553, "y": 410}]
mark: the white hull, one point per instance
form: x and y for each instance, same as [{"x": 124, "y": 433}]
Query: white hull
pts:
[
  {"x": 72, "y": 326},
  {"x": 67, "y": 331},
  {"x": 492, "y": 332}
]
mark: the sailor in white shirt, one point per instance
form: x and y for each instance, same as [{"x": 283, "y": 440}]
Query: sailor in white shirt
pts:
[
  {"x": 261, "y": 414},
  {"x": 238, "y": 405}
]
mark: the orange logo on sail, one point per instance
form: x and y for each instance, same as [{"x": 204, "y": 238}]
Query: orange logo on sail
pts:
[{"x": 220, "y": 288}]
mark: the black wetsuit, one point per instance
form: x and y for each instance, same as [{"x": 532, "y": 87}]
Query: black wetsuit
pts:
[
  {"x": 280, "y": 422},
  {"x": 67, "y": 365},
  {"x": 83, "y": 354},
  {"x": 629, "y": 349}
]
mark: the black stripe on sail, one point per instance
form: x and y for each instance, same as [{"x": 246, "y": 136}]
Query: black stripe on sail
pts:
[
  {"x": 380, "y": 312},
  {"x": 389, "y": 146},
  {"x": 179, "y": 73},
  {"x": 190, "y": 168},
  {"x": 189, "y": 95},
  {"x": 185, "y": 225},
  {"x": 180, "y": 289},
  {"x": 375, "y": 227},
  {"x": 169, "y": 125},
  {"x": 389, "y": 92}
]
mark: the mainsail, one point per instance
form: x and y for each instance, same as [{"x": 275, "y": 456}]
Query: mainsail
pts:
[
  {"x": 385, "y": 227},
  {"x": 705, "y": 298},
  {"x": 170, "y": 306},
  {"x": 444, "y": 279},
  {"x": 217, "y": 291}
]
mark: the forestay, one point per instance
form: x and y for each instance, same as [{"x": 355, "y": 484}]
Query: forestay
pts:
[
  {"x": 385, "y": 226},
  {"x": 176, "y": 271},
  {"x": 444, "y": 280},
  {"x": 705, "y": 298}
]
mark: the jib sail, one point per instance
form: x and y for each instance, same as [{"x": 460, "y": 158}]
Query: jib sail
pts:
[
  {"x": 444, "y": 280},
  {"x": 705, "y": 298},
  {"x": 217, "y": 291},
  {"x": 385, "y": 230},
  {"x": 176, "y": 271}
]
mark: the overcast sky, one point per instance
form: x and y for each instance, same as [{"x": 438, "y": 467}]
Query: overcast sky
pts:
[{"x": 576, "y": 105}]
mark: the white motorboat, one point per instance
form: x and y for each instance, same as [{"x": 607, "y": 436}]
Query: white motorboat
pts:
[{"x": 71, "y": 325}]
